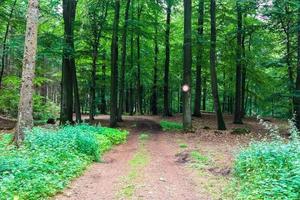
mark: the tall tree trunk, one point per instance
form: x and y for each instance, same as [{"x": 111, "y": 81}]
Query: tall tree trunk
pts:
[
  {"x": 123, "y": 62},
  {"x": 139, "y": 86},
  {"x": 25, "y": 117},
  {"x": 167, "y": 111},
  {"x": 4, "y": 47},
  {"x": 213, "y": 72},
  {"x": 198, "y": 89},
  {"x": 155, "y": 71},
  {"x": 187, "y": 65},
  {"x": 103, "y": 85},
  {"x": 204, "y": 93},
  {"x": 244, "y": 74},
  {"x": 68, "y": 66},
  {"x": 93, "y": 83},
  {"x": 238, "y": 86},
  {"x": 114, "y": 68},
  {"x": 297, "y": 92},
  {"x": 76, "y": 94}
]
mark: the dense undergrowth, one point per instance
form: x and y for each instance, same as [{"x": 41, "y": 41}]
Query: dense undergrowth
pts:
[
  {"x": 49, "y": 160},
  {"x": 269, "y": 169}
]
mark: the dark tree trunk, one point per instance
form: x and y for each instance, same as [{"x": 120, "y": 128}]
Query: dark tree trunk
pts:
[
  {"x": 139, "y": 86},
  {"x": 93, "y": 83},
  {"x": 69, "y": 10},
  {"x": 198, "y": 89},
  {"x": 204, "y": 93},
  {"x": 4, "y": 47},
  {"x": 244, "y": 76},
  {"x": 114, "y": 68},
  {"x": 213, "y": 72},
  {"x": 167, "y": 61},
  {"x": 76, "y": 94},
  {"x": 123, "y": 63},
  {"x": 187, "y": 65},
  {"x": 297, "y": 92},
  {"x": 238, "y": 86},
  {"x": 103, "y": 86},
  {"x": 155, "y": 71}
]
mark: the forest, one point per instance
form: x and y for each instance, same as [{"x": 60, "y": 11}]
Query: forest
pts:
[{"x": 150, "y": 99}]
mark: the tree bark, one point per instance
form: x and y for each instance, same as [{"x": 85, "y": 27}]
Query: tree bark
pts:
[
  {"x": 187, "y": 65},
  {"x": 238, "y": 86},
  {"x": 123, "y": 62},
  {"x": 103, "y": 86},
  {"x": 25, "y": 116},
  {"x": 198, "y": 89},
  {"x": 114, "y": 68},
  {"x": 167, "y": 111},
  {"x": 139, "y": 86},
  {"x": 68, "y": 66},
  {"x": 213, "y": 72}
]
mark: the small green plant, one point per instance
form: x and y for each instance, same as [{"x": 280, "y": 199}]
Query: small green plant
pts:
[
  {"x": 144, "y": 136},
  {"x": 183, "y": 146},
  {"x": 199, "y": 161},
  {"x": 171, "y": 126}
]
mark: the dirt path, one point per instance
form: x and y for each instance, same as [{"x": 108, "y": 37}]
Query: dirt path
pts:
[{"x": 138, "y": 170}]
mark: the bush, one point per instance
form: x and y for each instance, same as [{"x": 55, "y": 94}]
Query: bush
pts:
[
  {"x": 269, "y": 170},
  {"x": 48, "y": 160},
  {"x": 171, "y": 126}
]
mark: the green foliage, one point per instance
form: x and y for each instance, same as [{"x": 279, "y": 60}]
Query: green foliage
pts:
[
  {"x": 269, "y": 170},
  {"x": 183, "y": 146},
  {"x": 198, "y": 160},
  {"x": 171, "y": 126},
  {"x": 144, "y": 136},
  {"x": 48, "y": 160}
]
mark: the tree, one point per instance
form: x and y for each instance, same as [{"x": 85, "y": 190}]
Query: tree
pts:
[
  {"x": 114, "y": 67},
  {"x": 97, "y": 17},
  {"x": 198, "y": 88},
  {"x": 68, "y": 66},
  {"x": 25, "y": 117},
  {"x": 123, "y": 61},
  {"x": 238, "y": 113},
  {"x": 167, "y": 111},
  {"x": 4, "y": 47},
  {"x": 187, "y": 65},
  {"x": 213, "y": 72}
]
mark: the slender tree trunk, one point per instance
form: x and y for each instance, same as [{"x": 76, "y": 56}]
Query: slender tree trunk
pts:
[
  {"x": 198, "y": 89},
  {"x": 155, "y": 71},
  {"x": 238, "y": 86},
  {"x": 167, "y": 111},
  {"x": 114, "y": 68},
  {"x": 93, "y": 83},
  {"x": 297, "y": 92},
  {"x": 187, "y": 65},
  {"x": 213, "y": 72},
  {"x": 204, "y": 93},
  {"x": 4, "y": 47},
  {"x": 103, "y": 85},
  {"x": 123, "y": 62},
  {"x": 244, "y": 76},
  {"x": 25, "y": 116},
  {"x": 76, "y": 94},
  {"x": 139, "y": 86},
  {"x": 69, "y": 10}
]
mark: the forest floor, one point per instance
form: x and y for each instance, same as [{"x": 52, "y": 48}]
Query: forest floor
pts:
[{"x": 154, "y": 164}]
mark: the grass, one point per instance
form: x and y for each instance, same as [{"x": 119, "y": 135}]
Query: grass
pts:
[
  {"x": 199, "y": 161},
  {"x": 139, "y": 161},
  {"x": 49, "y": 160},
  {"x": 171, "y": 126},
  {"x": 183, "y": 146}
]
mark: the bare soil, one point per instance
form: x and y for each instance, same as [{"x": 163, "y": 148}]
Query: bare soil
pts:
[{"x": 164, "y": 177}]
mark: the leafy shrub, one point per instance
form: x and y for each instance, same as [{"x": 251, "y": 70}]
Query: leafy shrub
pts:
[
  {"x": 269, "y": 170},
  {"x": 171, "y": 126},
  {"x": 48, "y": 160}
]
